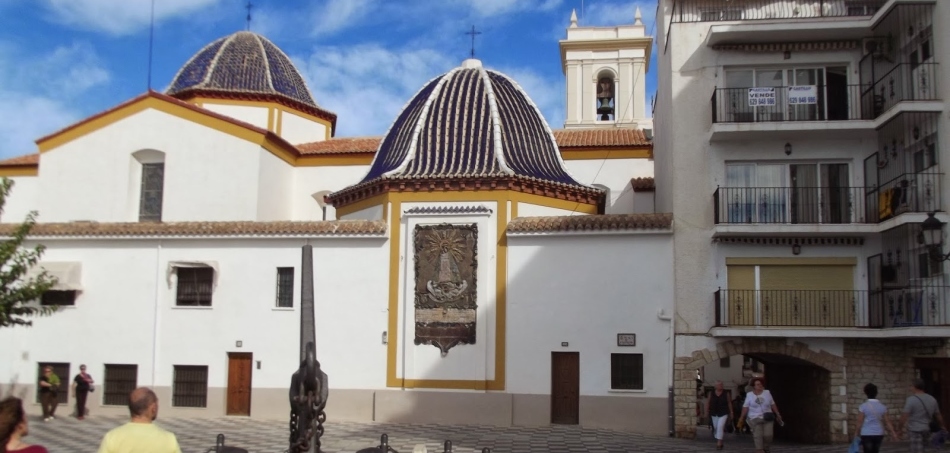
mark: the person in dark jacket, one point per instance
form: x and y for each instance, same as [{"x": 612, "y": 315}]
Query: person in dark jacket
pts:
[
  {"x": 82, "y": 385},
  {"x": 719, "y": 409}
]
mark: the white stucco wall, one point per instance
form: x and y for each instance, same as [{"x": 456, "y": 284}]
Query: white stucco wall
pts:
[
  {"x": 310, "y": 180},
  {"x": 134, "y": 320},
  {"x": 604, "y": 285},
  {"x": 615, "y": 174},
  {"x": 297, "y": 129},
  {"x": 275, "y": 183},
  {"x": 22, "y": 199},
  {"x": 533, "y": 210},
  {"x": 255, "y": 115},
  {"x": 209, "y": 175}
]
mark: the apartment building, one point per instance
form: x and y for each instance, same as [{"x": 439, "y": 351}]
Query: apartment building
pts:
[{"x": 800, "y": 146}]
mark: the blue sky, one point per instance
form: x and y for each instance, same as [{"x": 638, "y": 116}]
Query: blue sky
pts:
[{"x": 63, "y": 60}]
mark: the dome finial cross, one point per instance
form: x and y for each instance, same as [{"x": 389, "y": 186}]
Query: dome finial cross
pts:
[
  {"x": 473, "y": 33},
  {"x": 248, "y": 7}
]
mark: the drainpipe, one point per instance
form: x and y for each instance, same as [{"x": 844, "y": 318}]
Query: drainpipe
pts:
[
  {"x": 661, "y": 314},
  {"x": 155, "y": 311}
]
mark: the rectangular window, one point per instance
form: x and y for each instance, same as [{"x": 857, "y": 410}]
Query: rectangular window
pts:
[
  {"x": 190, "y": 386},
  {"x": 153, "y": 184},
  {"x": 626, "y": 371},
  {"x": 194, "y": 286},
  {"x": 724, "y": 362},
  {"x": 285, "y": 287},
  {"x": 61, "y": 370},
  {"x": 52, "y": 297},
  {"x": 119, "y": 381}
]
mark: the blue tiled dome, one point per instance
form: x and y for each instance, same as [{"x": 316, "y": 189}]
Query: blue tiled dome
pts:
[
  {"x": 470, "y": 122},
  {"x": 242, "y": 63}
]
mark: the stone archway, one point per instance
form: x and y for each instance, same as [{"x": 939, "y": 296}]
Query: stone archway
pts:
[{"x": 684, "y": 370}]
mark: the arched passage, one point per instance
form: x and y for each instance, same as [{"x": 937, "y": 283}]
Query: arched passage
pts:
[{"x": 801, "y": 379}]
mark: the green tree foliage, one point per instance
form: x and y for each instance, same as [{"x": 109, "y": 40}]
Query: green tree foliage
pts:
[{"x": 19, "y": 295}]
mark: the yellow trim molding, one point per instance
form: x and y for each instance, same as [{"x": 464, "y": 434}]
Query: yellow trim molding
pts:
[
  {"x": 600, "y": 154},
  {"x": 334, "y": 160},
  {"x": 774, "y": 261},
  {"x": 20, "y": 170}
]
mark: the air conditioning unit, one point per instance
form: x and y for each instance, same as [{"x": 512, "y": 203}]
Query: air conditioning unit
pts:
[{"x": 877, "y": 46}]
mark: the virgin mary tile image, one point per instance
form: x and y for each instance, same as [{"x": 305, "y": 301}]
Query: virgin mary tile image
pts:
[{"x": 446, "y": 264}]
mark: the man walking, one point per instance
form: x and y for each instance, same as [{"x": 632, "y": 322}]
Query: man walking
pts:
[
  {"x": 919, "y": 409},
  {"x": 139, "y": 435}
]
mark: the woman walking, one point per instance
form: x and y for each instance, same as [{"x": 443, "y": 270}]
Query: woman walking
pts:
[
  {"x": 719, "y": 408},
  {"x": 872, "y": 418},
  {"x": 762, "y": 413}
]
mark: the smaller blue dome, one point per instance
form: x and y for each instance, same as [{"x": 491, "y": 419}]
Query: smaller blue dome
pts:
[{"x": 242, "y": 63}]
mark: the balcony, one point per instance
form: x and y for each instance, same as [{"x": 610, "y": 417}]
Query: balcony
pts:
[
  {"x": 833, "y": 309},
  {"x": 730, "y": 10}
]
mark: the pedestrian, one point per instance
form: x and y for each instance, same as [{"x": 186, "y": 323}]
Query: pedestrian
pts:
[
  {"x": 920, "y": 410},
  {"x": 872, "y": 421},
  {"x": 49, "y": 393},
  {"x": 140, "y": 435},
  {"x": 762, "y": 413},
  {"x": 14, "y": 427},
  {"x": 719, "y": 409},
  {"x": 82, "y": 385}
]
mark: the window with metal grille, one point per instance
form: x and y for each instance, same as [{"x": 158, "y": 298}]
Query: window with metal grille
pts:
[
  {"x": 153, "y": 184},
  {"x": 194, "y": 286},
  {"x": 626, "y": 371},
  {"x": 119, "y": 381},
  {"x": 285, "y": 287},
  {"x": 190, "y": 387},
  {"x": 61, "y": 370},
  {"x": 58, "y": 298}
]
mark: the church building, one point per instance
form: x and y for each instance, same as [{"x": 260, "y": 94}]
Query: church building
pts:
[{"x": 472, "y": 265}]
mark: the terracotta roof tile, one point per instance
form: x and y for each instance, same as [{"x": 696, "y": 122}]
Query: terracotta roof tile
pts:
[
  {"x": 591, "y": 223},
  {"x": 203, "y": 229},
  {"x": 566, "y": 139},
  {"x": 643, "y": 184},
  {"x": 600, "y": 138},
  {"x": 345, "y": 145},
  {"x": 20, "y": 161}
]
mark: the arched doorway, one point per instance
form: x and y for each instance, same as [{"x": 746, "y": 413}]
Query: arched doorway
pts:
[{"x": 800, "y": 379}]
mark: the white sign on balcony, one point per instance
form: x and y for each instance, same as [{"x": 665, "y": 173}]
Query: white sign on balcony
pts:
[
  {"x": 802, "y": 94},
  {"x": 761, "y": 96}
]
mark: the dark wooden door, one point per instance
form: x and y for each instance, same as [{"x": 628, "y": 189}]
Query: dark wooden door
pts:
[
  {"x": 936, "y": 376},
  {"x": 565, "y": 387},
  {"x": 239, "y": 383}
]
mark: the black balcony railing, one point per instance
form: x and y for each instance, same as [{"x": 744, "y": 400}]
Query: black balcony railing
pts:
[
  {"x": 906, "y": 307},
  {"x": 731, "y": 10},
  {"x": 790, "y": 205},
  {"x": 771, "y": 104},
  {"x": 911, "y": 192},
  {"x": 903, "y": 82}
]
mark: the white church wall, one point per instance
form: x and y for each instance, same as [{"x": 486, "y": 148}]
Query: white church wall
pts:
[
  {"x": 275, "y": 184},
  {"x": 310, "y": 180},
  {"x": 255, "y": 115},
  {"x": 22, "y": 199},
  {"x": 475, "y": 362},
  {"x": 615, "y": 174},
  {"x": 533, "y": 210},
  {"x": 297, "y": 129},
  {"x": 206, "y": 172}
]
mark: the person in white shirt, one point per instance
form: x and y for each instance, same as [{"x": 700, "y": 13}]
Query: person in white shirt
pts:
[
  {"x": 762, "y": 413},
  {"x": 872, "y": 419}
]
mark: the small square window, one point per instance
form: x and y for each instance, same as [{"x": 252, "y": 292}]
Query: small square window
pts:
[
  {"x": 626, "y": 371},
  {"x": 190, "y": 386},
  {"x": 194, "y": 286},
  {"x": 66, "y": 298},
  {"x": 285, "y": 287},
  {"x": 724, "y": 362}
]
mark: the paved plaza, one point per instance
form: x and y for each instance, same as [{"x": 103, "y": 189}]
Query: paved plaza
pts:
[{"x": 268, "y": 436}]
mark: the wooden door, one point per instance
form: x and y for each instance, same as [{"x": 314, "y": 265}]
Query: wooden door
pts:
[
  {"x": 936, "y": 376},
  {"x": 239, "y": 383},
  {"x": 565, "y": 387}
]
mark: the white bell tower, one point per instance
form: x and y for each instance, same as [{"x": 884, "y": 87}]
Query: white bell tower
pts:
[{"x": 606, "y": 71}]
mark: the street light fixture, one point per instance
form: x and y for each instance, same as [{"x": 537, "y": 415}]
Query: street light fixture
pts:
[{"x": 931, "y": 235}]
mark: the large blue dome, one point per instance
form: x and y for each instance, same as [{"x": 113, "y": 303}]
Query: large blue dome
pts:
[{"x": 243, "y": 63}]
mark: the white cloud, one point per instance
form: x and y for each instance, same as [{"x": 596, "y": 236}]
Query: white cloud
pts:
[
  {"x": 368, "y": 85},
  {"x": 119, "y": 17},
  {"x": 336, "y": 15},
  {"x": 36, "y": 94},
  {"x": 603, "y": 13},
  {"x": 488, "y": 8}
]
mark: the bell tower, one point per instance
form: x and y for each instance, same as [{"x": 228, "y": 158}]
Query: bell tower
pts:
[{"x": 606, "y": 70}]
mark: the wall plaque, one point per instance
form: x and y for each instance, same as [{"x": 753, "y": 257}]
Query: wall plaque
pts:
[
  {"x": 626, "y": 339},
  {"x": 446, "y": 262}
]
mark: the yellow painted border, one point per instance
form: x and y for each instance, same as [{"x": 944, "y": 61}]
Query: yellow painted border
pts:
[
  {"x": 776, "y": 261},
  {"x": 382, "y": 199},
  {"x": 598, "y": 154},
  {"x": 334, "y": 160},
  {"x": 268, "y": 104},
  {"x": 20, "y": 170}
]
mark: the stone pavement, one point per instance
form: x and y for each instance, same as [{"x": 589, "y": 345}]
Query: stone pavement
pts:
[{"x": 267, "y": 436}]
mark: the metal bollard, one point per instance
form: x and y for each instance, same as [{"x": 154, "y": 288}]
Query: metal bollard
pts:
[
  {"x": 448, "y": 447},
  {"x": 384, "y": 443}
]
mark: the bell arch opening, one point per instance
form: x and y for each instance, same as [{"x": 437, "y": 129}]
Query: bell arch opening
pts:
[{"x": 606, "y": 92}]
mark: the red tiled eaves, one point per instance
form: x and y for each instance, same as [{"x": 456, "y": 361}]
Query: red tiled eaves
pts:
[
  {"x": 591, "y": 223},
  {"x": 204, "y": 229},
  {"x": 21, "y": 161},
  {"x": 643, "y": 184}
]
